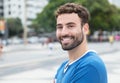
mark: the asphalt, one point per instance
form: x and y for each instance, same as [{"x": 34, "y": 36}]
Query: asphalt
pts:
[{"x": 111, "y": 57}]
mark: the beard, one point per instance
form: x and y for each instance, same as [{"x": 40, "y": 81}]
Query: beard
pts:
[{"x": 76, "y": 41}]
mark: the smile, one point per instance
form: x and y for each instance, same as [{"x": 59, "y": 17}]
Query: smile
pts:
[{"x": 66, "y": 40}]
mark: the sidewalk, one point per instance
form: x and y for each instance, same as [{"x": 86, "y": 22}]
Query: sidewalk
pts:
[
  {"x": 39, "y": 75},
  {"x": 32, "y": 76},
  {"x": 31, "y": 53},
  {"x": 111, "y": 57},
  {"x": 112, "y": 61},
  {"x": 46, "y": 76}
]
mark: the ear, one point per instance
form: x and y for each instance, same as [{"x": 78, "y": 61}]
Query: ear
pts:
[{"x": 86, "y": 28}]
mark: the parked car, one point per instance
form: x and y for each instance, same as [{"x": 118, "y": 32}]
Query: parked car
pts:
[
  {"x": 43, "y": 40},
  {"x": 96, "y": 38},
  {"x": 33, "y": 39},
  {"x": 117, "y": 37}
]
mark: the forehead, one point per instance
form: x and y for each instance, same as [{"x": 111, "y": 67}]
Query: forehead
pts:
[{"x": 66, "y": 18}]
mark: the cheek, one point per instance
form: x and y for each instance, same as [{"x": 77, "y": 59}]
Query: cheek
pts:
[
  {"x": 76, "y": 31},
  {"x": 57, "y": 34}
]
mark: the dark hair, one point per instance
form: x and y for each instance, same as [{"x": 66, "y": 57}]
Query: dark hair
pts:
[{"x": 74, "y": 8}]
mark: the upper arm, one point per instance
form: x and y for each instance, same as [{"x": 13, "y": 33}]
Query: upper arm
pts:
[{"x": 86, "y": 75}]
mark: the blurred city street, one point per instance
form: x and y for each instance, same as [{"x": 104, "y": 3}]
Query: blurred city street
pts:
[
  {"x": 34, "y": 63},
  {"x": 29, "y": 49}
]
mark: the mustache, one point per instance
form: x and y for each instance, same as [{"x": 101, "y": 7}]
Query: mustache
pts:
[{"x": 65, "y": 36}]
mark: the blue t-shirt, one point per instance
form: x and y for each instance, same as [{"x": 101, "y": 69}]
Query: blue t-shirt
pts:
[{"x": 87, "y": 69}]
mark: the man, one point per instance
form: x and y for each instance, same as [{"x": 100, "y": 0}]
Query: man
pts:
[{"x": 83, "y": 65}]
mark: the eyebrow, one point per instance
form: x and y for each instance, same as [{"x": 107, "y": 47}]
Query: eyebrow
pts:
[
  {"x": 58, "y": 24},
  {"x": 70, "y": 23},
  {"x": 66, "y": 24}
]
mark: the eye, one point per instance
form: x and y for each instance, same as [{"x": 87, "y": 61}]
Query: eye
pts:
[
  {"x": 70, "y": 26},
  {"x": 59, "y": 27}
]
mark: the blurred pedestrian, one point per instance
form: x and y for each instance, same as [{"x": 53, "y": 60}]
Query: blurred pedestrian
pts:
[
  {"x": 111, "y": 39},
  {"x": 50, "y": 46},
  {"x": 83, "y": 65},
  {"x": 100, "y": 35},
  {"x": 1, "y": 47}
]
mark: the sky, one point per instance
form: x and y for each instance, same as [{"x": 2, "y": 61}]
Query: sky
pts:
[{"x": 116, "y": 2}]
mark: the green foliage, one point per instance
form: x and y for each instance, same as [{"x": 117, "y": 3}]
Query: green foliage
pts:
[
  {"x": 45, "y": 21},
  {"x": 14, "y": 26},
  {"x": 103, "y": 15}
]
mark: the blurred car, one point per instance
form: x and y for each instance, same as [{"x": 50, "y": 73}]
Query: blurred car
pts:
[
  {"x": 33, "y": 39},
  {"x": 43, "y": 40},
  {"x": 117, "y": 37},
  {"x": 103, "y": 38},
  {"x": 15, "y": 40}
]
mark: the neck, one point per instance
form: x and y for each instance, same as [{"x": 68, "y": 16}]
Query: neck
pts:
[{"x": 78, "y": 51}]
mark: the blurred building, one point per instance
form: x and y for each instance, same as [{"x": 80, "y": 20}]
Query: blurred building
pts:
[
  {"x": 1, "y": 8},
  {"x": 34, "y": 7},
  {"x": 23, "y": 9}
]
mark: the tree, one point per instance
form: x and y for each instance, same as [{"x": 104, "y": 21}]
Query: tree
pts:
[
  {"x": 103, "y": 15},
  {"x": 14, "y": 26}
]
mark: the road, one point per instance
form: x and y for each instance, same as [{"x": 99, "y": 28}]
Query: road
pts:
[
  {"x": 36, "y": 64},
  {"x": 112, "y": 61},
  {"x": 18, "y": 54}
]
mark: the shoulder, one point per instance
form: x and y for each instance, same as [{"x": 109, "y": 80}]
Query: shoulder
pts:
[
  {"x": 92, "y": 60},
  {"x": 91, "y": 64}
]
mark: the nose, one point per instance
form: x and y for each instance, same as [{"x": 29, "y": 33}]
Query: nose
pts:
[{"x": 64, "y": 31}]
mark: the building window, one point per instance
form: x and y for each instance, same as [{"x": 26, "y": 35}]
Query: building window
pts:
[
  {"x": 9, "y": 6},
  {"x": 1, "y": 14},
  {"x": 19, "y": 6},
  {"x": 9, "y": 12},
  {"x": 1, "y": 7}
]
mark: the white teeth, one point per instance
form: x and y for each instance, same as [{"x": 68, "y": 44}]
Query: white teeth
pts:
[{"x": 66, "y": 39}]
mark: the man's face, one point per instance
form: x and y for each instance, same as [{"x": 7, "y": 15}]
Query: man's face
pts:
[{"x": 69, "y": 31}]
